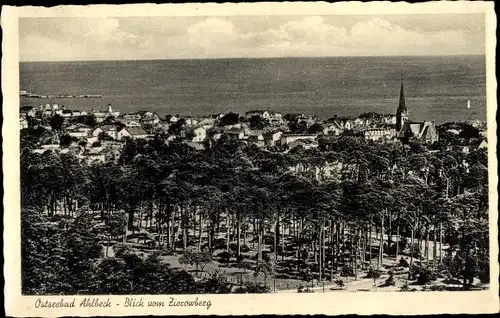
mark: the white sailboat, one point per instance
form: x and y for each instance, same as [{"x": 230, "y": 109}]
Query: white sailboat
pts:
[{"x": 468, "y": 104}]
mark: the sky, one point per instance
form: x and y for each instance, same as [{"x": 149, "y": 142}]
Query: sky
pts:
[{"x": 130, "y": 38}]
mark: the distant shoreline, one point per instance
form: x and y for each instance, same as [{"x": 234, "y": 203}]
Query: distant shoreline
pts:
[{"x": 52, "y": 96}]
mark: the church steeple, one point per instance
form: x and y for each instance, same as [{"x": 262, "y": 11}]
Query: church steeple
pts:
[{"x": 402, "y": 112}]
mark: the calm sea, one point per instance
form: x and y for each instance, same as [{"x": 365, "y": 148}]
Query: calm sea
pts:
[{"x": 436, "y": 88}]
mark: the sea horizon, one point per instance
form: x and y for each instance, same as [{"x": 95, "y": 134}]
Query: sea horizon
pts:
[{"x": 258, "y": 58}]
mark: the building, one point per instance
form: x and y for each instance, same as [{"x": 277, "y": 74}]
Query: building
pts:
[
  {"x": 133, "y": 133},
  {"x": 402, "y": 111},
  {"x": 235, "y": 133},
  {"x": 109, "y": 130},
  {"x": 261, "y": 113},
  {"x": 333, "y": 129},
  {"x": 425, "y": 131},
  {"x": 271, "y": 138},
  {"x": 207, "y": 123},
  {"x": 23, "y": 123},
  {"x": 483, "y": 144},
  {"x": 130, "y": 122},
  {"x": 275, "y": 118},
  {"x": 199, "y": 134},
  {"x": 345, "y": 123},
  {"x": 289, "y": 138},
  {"x": 28, "y": 111},
  {"x": 406, "y": 129},
  {"x": 78, "y": 131},
  {"x": 379, "y": 133},
  {"x": 150, "y": 119},
  {"x": 191, "y": 121},
  {"x": 135, "y": 116},
  {"x": 255, "y": 137},
  {"x": 66, "y": 113}
]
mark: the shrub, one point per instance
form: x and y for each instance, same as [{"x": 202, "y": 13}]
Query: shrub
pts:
[
  {"x": 340, "y": 282},
  {"x": 406, "y": 288},
  {"x": 423, "y": 275},
  {"x": 389, "y": 281},
  {"x": 265, "y": 256},
  {"x": 252, "y": 288},
  {"x": 224, "y": 256},
  {"x": 373, "y": 273},
  {"x": 403, "y": 262},
  {"x": 437, "y": 288},
  {"x": 347, "y": 271}
]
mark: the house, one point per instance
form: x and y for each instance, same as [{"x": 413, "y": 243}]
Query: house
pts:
[
  {"x": 111, "y": 154},
  {"x": 130, "y": 122},
  {"x": 289, "y": 138},
  {"x": 304, "y": 143},
  {"x": 389, "y": 119},
  {"x": 190, "y": 121},
  {"x": 196, "y": 145},
  {"x": 261, "y": 113},
  {"x": 207, "y": 123},
  {"x": 67, "y": 113},
  {"x": 28, "y": 111},
  {"x": 425, "y": 131},
  {"x": 453, "y": 131},
  {"x": 358, "y": 122},
  {"x": 345, "y": 123},
  {"x": 77, "y": 113},
  {"x": 235, "y": 133},
  {"x": 112, "y": 112},
  {"x": 100, "y": 116},
  {"x": 333, "y": 129},
  {"x": 95, "y": 158},
  {"x": 109, "y": 130},
  {"x": 47, "y": 113},
  {"x": 23, "y": 123},
  {"x": 271, "y": 138},
  {"x": 150, "y": 119},
  {"x": 133, "y": 132},
  {"x": 255, "y": 137},
  {"x": 483, "y": 144},
  {"x": 199, "y": 134},
  {"x": 78, "y": 131},
  {"x": 275, "y": 118},
  {"x": 135, "y": 116},
  {"x": 379, "y": 133},
  {"x": 173, "y": 119}
]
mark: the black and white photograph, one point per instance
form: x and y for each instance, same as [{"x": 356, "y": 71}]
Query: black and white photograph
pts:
[{"x": 254, "y": 154}]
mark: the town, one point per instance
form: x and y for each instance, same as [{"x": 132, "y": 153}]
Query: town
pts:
[
  {"x": 99, "y": 135},
  {"x": 228, "y": 203}
]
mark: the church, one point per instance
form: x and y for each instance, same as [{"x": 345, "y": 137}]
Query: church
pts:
[{"x": 407, "y": 129}]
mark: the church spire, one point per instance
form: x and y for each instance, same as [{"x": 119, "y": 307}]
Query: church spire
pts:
[{"x": 402, "y": 112}]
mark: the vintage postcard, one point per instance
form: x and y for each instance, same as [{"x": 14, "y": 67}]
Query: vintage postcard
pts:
[{"x": 264, "y": 158}]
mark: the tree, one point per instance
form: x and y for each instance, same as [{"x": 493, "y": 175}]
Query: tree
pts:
[
  {"x": 175, "y": 128},
  {"x": 56, "y": 122},
  {"x": 65, "y": 140},
  {"x": 229, "y": 119},
  {"x": 315, "y": 128},
  {"x": 257, "y": 122},
  {"x": 198, "y": 258},
  {"x": 297, "y": 127}
]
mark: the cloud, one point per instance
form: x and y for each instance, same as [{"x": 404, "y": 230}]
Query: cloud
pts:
[{"x": 128, "y": 38}]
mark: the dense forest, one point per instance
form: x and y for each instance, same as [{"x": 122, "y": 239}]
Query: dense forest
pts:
[{"x": 346, "y": 209}]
